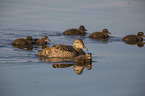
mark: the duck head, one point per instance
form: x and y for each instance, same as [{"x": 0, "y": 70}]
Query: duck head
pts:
[
  {"x": 106, "y": 31},
  {"x": 29, "y": 39},
  {"x": 82, "y": 29},
  {"x": 45, "y": 38},
  {"x": 78, "y": 43},
  {"x": 141, "y": 34}
]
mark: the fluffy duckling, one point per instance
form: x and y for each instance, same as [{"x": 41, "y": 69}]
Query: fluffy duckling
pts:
[
  {"x": 41, "y": 41},
  {"x": 61, "y": 50},
  {"x": 80, "y": 31},
  {"x": 83, "y": 58},
  {"x": 100, "y": 35},
  {"x": 134, "y": 38},
  {"x": 22, "y": 41}
]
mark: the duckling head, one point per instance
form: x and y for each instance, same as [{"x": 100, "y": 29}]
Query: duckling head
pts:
[
  {"x": 29, "y": 39},
  {"x": 82, "y": 30},
  {"x": 141, "y": 34},
  {"x": 106, "y": 31},
  {"x": 78, "y": 43},
  {"x": 45, "y": 38}
]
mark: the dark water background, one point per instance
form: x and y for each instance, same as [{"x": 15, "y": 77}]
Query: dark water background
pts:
[{"x": 118, "y": 69}]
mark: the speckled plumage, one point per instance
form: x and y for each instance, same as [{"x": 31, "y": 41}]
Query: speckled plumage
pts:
[
  {"x": 80, "y": 31},
  {"x": 61, "y": 50}
]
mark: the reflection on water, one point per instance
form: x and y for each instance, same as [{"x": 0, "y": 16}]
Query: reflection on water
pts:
[
  {"x": 23, "y": 47},
  {"x": 55, "y": 59},
  {"x": 30, "y": 47},
  {"x": 77, "y": 67},
  {"x": 139, "y": 44}
]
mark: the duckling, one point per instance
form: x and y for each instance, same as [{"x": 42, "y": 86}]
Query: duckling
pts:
[
  {"x": 134, "y": 38},
  {"x": 61, "y": 50},
  {"x": 100, "y": 35},
  {"x": 22, "y": 41},
  {"x": 83, "y": 58},
  {"x": 80, "y": 31},
  {"x": 41, "y": 41}
]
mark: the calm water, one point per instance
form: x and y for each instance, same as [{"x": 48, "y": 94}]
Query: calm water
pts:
[{"x": 118, "y": 69}]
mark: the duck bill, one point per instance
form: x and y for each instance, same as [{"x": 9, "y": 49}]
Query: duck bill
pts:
[
  {"x": 85, "y": 29},
  {"x": 84, "y": 47},
  {"x": 48, "y": 40},
  {"x": 109, "y": 33}
]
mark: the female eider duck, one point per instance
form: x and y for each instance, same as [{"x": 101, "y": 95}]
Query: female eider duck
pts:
[
  {"x": 134, "y": 38},
  {"x": 41, "y": 41},
  {"x": 22, "y": 41},
  {"x": 100, "y": 35},
  {"x": 61, "y": 50},
  {"x": 80, "y": 31},
  {"x": 83, "y": 58}
]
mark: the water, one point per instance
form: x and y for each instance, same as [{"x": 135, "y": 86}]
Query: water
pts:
[{"x": 117, "y": 67}]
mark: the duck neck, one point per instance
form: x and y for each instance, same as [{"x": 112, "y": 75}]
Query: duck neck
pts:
[{"x": 82, "y": 31}]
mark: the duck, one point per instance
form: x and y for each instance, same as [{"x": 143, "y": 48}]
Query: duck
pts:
[
  {"x": 22, "y": 41},
  {"x": 80, "y": 31},
  {"x": 100, "y": 35},
  {"x": 83, "y": 58},
  {"x": 134, "y": 38},
  {"x": 42, "y": 41},
  {"x": 64, "y": 51}
]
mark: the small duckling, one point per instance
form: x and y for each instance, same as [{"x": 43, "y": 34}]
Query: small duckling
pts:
[
  {"x": 134, "y": 38},
  {"x": 100, "y": 35},
  {"x": 42, "y": 41},
  {"x": 22, "y": 41},
  {"x": 83, "y": 58},
  {"x": 80, "y": 31},
  {"x": 61, "y": 50}
]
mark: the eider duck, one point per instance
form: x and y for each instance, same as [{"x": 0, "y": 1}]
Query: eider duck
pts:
[
  {"x": 134, "y": 38},
  {"x": 22, "y": 41},
  {"x": 80, "y": 31},
  {"x": 100, "y": 35},
  {"x": 61, "y": 50},
  {"x": 83, "y": 58},
  {"x": 42, "y": 41}
]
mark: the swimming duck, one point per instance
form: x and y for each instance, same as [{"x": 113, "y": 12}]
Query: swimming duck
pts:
[
  {"x": 80, "y": 31},
  {"x": 61, "y": 50},
  {"x": 134, "y": 38},
  {"x": 41, "y": 41},
  {"x": 83, "y": 58},
  {"x": 100, "y": 35},
  {"x": 22, "y": 41}
]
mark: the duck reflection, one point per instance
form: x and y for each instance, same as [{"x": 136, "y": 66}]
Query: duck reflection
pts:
[
  {"x": 139, "y": 44},
  {"x": 79, "y": 63},
  {"x": 52, "y": 59},
  {"x": 79, "y": 67},
  {"x": 30, "y": 47}
]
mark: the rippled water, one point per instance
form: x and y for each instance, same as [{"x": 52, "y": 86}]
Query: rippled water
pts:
[{"x": 117, "y": 68}]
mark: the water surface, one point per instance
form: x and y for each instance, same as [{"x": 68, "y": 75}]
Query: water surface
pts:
[{"x": 117, "y": 67}]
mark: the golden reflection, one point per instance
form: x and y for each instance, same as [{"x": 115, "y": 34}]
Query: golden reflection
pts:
[
  {"x": 79, "y": 63},
  {"x": 79, "y": 67},
  {"x": 51, "y": 59}
]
